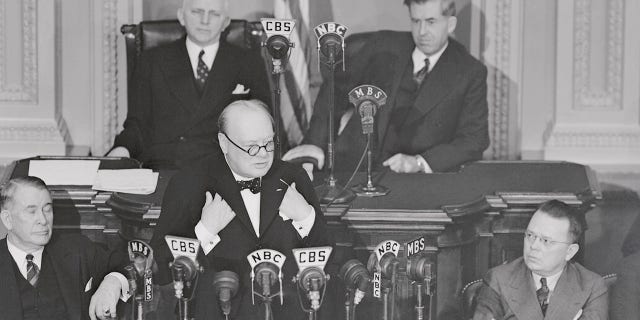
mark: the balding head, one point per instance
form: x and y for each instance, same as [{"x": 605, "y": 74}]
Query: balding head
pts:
[{"x": 243, "y": 124}]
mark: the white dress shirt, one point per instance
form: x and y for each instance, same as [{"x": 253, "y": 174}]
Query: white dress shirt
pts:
[
  {"x": 210, "y": 53},
  {"x": 552, "y": 281}
]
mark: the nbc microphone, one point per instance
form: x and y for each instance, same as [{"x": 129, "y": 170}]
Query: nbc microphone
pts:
[{"x": 330, "y": 43}]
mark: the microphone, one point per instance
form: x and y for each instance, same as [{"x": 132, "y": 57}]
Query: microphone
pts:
[
  {"x": 310, "y": 280},
  {"x": 330, "y": 43},
  {"x": 266, "y": 269},
  {"x": 354, "y": 274},
  {"x": 177, "y": 272},
  {"x": 225, "y": 284},
  {"x": 266, "y": 276},
  {"x": 141, "y": 257},
  {"x": 132, "y": 279},
  {"x": 278, "y": 44}
]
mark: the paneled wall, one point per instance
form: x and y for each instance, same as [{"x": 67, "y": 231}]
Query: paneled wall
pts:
[{"x": 563, "y": 80}]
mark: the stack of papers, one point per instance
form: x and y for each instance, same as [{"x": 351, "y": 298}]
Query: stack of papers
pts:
[
  {"x": 64, "y": 172},
  {"x": 137, "y": 181}
]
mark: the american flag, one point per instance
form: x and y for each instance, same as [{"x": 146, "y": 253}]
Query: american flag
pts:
[{"x": 301, "y": 80}]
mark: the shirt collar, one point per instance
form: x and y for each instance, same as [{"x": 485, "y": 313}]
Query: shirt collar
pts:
[
  {"x": 19, "y": 256},
  {"x": 551, "y": 280},
  {"x": 418, "y": 58},
  {"x": 210, "y": 52}
]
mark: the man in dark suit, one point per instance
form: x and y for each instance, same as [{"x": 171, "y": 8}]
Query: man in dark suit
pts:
[
  {"x": 181, "y": 88},
  {"x": 544, "y": 284},
  {"x": 45, "y": 277},
  {"x": 625, "y": 294},
  {"x": 277, "y": 209},
  {"x": 435, "y": 118}
]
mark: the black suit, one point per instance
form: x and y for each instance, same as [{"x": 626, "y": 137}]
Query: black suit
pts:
[
  {"x": 446, "y": 123},
  {"x": 75, "y": 260},
  {"x": 181, "y": 211},
  {"x": 168, "y": 121}
]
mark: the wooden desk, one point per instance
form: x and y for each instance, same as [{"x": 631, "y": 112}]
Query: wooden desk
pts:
[{"x": 472, "y": 219}]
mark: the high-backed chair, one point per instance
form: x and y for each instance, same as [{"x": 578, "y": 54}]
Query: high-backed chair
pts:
[{"x": 153, "y": 33}]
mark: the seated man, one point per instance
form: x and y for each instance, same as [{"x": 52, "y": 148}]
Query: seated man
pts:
[
  {"x": 238, "y": 201},
  {"x": 181, "y": 88},
  {"x": 52, "y": 277},
  {"x": 544, "y": 283},
  {"x": 625, "y": 294},
  {"x": 435, "y": 118}
]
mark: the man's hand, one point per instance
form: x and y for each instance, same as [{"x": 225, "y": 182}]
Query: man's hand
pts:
[
  {"x": 216, "y": 213},
  {"x": 294, "y": 206},
  {"x": 403, "y": 163},
  {"x": 104, "y": 301},
  {"x": 119, "y": 152},
  {"x": 305, "y": 150}
]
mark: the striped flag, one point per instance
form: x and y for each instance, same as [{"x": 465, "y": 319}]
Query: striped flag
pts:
[{"x": 301, "y": 81}]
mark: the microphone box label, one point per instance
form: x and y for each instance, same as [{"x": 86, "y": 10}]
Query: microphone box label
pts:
[
  {"x": 180, "y": 246},
  {"x": 282, "y": 27},
  {"x": 330, "y": 27},
  {"x": 266, "y": 255},
  {"x": 387, "y": 246},
  {"x": 415, "y": 246},
  {"x": 377, "y": 278},
  {"x": 312, "y": 257}
]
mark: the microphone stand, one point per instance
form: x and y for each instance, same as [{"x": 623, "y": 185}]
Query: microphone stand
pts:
[
  {"x": 277, "y": 71},
  {"x": 330, "y": 191},
  {"x": 370, "y": 190}
]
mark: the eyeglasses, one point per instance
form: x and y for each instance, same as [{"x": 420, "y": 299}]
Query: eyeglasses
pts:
[
  {"x": 254, "y": 148},
  {"x": 532, "y": 237}
]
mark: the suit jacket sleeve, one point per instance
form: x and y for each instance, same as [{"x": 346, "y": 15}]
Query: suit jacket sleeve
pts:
[
  {"x": 318, "y": 236},
  {"x": 137, "y": 132},
  {"x": 471, "y": 135},
  {"x": 597, "y": 306},
  {"x": 181, "y": 210}
]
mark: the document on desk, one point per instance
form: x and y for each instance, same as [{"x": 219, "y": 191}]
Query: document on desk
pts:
[
  {"x": 137, "y": 181},
  {"x": 65, "y": 172}
]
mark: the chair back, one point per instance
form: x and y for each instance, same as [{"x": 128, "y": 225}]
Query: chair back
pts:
[
  {"x": 153, "y": 33},
  {"x": 469, "y": 298}
]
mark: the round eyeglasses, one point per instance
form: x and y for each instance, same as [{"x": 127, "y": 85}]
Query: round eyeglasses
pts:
[
  {"x": 254, "y": 149},
  {"x": 532, "y": 237}
]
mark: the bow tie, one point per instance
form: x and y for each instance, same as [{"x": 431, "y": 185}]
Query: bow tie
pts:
[{"x": 253, "y": 185}]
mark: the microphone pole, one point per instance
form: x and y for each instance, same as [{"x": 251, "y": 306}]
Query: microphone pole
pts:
[
  {"x": 368, "y": 99},
  {"x": 328, "y": 33}
]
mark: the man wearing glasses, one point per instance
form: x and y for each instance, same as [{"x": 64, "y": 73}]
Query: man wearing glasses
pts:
[
  {"x": 238, "y": 201},
  {"x": 544, "y": 283}
]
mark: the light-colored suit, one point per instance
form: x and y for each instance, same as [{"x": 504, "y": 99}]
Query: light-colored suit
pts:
[{"x": 509, "y": 292}]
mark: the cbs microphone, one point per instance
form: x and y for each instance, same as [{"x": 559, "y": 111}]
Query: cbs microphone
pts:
[
  {"x": 330, "y": 43},
  {"x": 184, "y": 269},
  {"x": 311, "y": 278},
  {"x": 278, "y": 44},
  {"x": 226, "y": 284}
]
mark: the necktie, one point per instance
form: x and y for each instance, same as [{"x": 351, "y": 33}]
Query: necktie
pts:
[
  {"x": 32, "y": 270},
  {"x": 253, "y": 185},
  {"x": 422, "y": 73},
  {"x": 202, "y": 71},
  {"x": 543, "y": 295}
]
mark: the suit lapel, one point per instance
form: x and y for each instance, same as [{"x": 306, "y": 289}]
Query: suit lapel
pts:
[
  {"x": 404, "y": 50},
  {"x": 10, "y": 305},
  {"x": 567, "y": 298},
  {"x": 225, "y": 184},
  {"x": 66, "y": 264},
  {"x": 273, "y": 191},
  {"x": 179, "y": 75},
  {"x": 520, "y": 294},
  {"x": 438, "y": 84}
]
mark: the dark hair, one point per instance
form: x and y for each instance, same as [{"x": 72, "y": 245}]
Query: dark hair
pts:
[
  {"x": 8, "y": 189},
  {"x": 448, "y": 6},
  {"x": 561, "y": 210},
  {"x": 253, "y": 104}
]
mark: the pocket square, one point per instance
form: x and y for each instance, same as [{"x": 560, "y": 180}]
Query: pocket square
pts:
[
  {"x": 89, "y": 284},
  {"x": 240, "y": 89}
]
